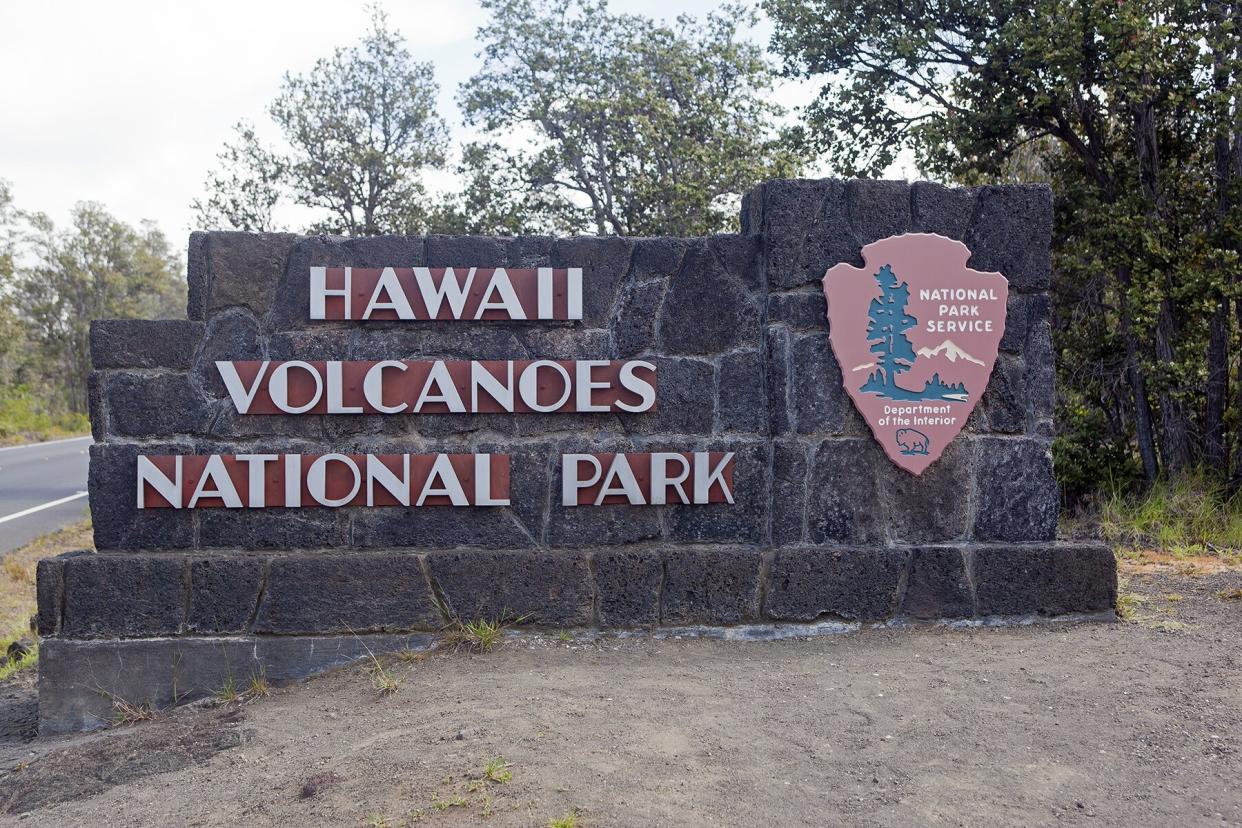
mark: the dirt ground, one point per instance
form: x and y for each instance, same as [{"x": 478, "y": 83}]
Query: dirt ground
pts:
[{"x": 1056, "y": 723}]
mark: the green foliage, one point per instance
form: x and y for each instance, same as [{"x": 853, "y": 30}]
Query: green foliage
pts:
[
  {"x": 98, "y": 268},
  {"x": 1191, "y": 516},
  {"x": 28, "y": 416},
  {"x": 1086, "y": 456},
  {"x": 1131, "y": 112},
  {"x": 53, "y": 283},
  {"x": 360, "y": 128},
  {"x": 244, "y": 187},
  {"x": 626, "y": 125}
]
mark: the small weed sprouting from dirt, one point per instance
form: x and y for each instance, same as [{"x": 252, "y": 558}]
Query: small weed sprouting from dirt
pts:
[
  {"x": 479, "y": 635},
  {"x": 126, "y": 713},
  {"x": 445, "y": 804},
  {"x": 564, "y": 637},
  {"x": 497, "y": 770},
  {"x": 258, "y": 687},
  {"x": 570, "y": 820},
  {"x": 228, "y": 692},
  {"x": 29, "y": 659},
  {"x": 1131, "y": 606},
  {"x": 1234, "y": 594},
  {"x": 382, "y": 679},
  {"x": 232, "y": 693},
  {"x": 1128, "y": 604}
]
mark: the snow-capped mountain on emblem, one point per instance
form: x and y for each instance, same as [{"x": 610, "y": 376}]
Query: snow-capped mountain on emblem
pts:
[
  {"x": 916, "y": 333},
  {"x": 949, "y": 351}
]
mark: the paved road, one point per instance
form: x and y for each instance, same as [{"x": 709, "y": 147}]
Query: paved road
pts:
[{"x": 42, "y": 488}]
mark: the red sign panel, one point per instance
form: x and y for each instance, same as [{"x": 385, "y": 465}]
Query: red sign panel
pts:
[
  {"x": 426, "y": 293},
  {"x": 916, "y": 333},
  {"x": 647, "y": 478},
  {"x": 259, "y": 481},
  {"x": 439, "y": 386}
]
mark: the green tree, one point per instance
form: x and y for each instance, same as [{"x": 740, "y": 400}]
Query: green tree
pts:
[
  {"x": 626, "y": 125},
  {"x": 244, "y": 188},
  {"x": 1122, "y": 103},
  {"x": 360, "y": 128},
  {"x": 99, "y": 268}
]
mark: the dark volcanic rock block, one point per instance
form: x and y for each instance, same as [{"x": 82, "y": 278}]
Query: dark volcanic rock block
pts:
[
  {"x": 50, "y": 591},
  {"x": 115, "y": 518},
  {"x": 805, "y": 228},
  {"x": 123, "y": 596},
  {"x": 945, "y": 211},
  {"x": 743, "y": 521},
  {"x": 230, "y": 269},
  {"x": 938, "y": 585},
  {"x": 842, "y": 493},
  {"x": 710, "y": 585},
  {"x": 438, "y": 527},
  {"x": 1009, "y": 232},
  {"x": 1044, "y": 579},
  {"x": 933, "y": 507},
  {"x": 805, "y": 310},
  {"x": 877, "y": 209},
  {"x": 627, "y": 586},
  {"x": 740, "y": 393},
  {"x": 154, "y": 405},
  {"x": 320, "y": 593},
  {"x": 685, "y": 399},
  {"x": 708, "y": 307},
  {"x": 789, "y": 465},
  {"x": 817, "y": 396},
  {"x": 1016, "y": 495},
  {"x": 545, "y": 588},
  {"x": 857, "y": 584},
  {"x": 232, "y": 335},
  {"x": 1005, "y": 402},
  {"x": 224, "y": 592},
  {"x": 311, "y": 528},
  {"x": 144, "y": 343}
]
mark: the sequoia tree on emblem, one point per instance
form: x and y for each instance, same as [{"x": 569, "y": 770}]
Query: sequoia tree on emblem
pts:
[{"x": 916, "y": 334}]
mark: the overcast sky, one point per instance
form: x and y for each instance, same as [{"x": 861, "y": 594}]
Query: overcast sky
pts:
[{"x": 127, "y": 103}]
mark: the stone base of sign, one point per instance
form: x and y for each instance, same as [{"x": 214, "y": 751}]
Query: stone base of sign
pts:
[
  {"x": 162, "y": 628},
  {"x": 82, "y": 681}
]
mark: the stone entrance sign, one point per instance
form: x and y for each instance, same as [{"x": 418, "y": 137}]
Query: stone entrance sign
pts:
[{"x": 351, "y": 442}]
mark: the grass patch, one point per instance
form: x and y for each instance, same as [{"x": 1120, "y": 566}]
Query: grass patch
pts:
[
  {"x": 569, "y": 820},
  {"x": 1188, "y": 517},
  {"x": 17, "y": 590},
  {"x": 1234, "y": 594},
  {"x": 497, "y": 770}
]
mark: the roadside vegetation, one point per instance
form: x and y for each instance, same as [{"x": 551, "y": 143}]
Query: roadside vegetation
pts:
[
  {"x": 25, "y": 417},
  {"x": 17, "y": 593},
  {"x": 1191, "y": 517}
]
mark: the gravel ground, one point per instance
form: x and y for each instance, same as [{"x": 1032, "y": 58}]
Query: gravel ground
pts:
[{"x": 1091, "y": 723}]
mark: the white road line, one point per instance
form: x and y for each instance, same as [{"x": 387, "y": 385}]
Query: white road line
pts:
[
  {"x": 48, "y": 443},
  {"x": 41, "y": 507}
]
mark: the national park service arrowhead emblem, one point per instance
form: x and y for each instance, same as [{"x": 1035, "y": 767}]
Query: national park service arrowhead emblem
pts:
[{"x": 916, "y": 334}]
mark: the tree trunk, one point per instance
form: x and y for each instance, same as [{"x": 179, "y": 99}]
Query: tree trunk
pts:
[
  {"x": 1175, "y": 433},
  {"x": 1215, "y": 454},
  {"x": 1138, "y": 383},
  {"x": 1215, "y": 450}
]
